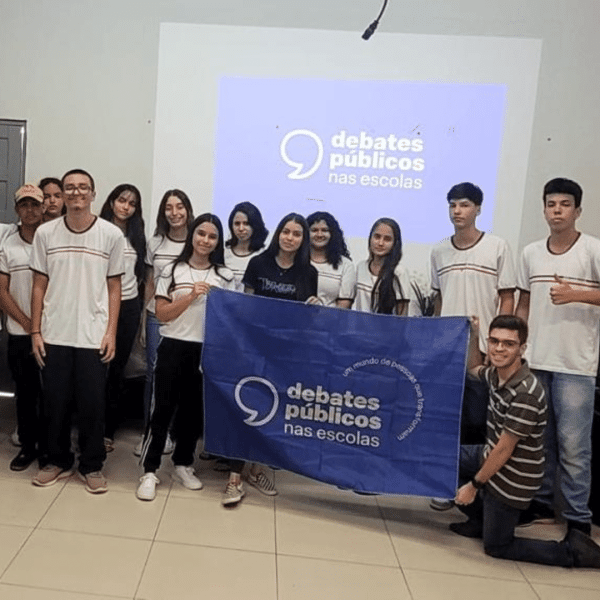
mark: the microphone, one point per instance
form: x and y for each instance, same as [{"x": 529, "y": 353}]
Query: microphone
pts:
[{"x": 370, "y": 30}]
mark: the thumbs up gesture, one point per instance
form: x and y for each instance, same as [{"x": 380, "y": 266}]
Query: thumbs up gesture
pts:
[{"x": 561, "y": 293}]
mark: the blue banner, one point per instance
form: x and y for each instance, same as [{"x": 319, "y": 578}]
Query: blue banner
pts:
[{"x": 368, "y": 402}]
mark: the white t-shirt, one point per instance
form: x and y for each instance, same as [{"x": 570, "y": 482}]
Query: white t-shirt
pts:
[
  {"x": 75, "y": 311},
  {"x": 469, "y": 279},
  {"x": 161, "y": 251},
  {"x": 562, "y": 338},
  {"x": 365, "y": 280},
  {"x": 336, "y": 284},
  {"x": 129, "y": 287},
  {"x": 5, "y": 230},
  {"x": 189, "y": 325},
  {"x": 238, "y": 265},
  {"x": 15, "y": 256}
]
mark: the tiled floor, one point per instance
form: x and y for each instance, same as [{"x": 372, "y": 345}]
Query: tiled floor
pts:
[{"x": 312, "y": 542}]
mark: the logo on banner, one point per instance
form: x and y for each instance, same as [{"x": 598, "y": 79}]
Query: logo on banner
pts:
[
  {"x": 253, "y": 414},
  {"x": 357, "y": 159},
  {"x": 310, "y": 411}
]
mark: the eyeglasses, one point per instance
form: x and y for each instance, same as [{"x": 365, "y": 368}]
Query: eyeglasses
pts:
[
  {"x": 82, "y": 188},
  {"x": 508, "y": 344}
]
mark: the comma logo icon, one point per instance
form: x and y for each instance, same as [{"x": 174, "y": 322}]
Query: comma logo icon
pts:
[
  {"x": 298, "y": 173},
  {"x": 253, "y": 414}
]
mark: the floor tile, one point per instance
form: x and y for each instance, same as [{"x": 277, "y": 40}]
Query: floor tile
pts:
[
  {"x": 18, "y": 592},
  {"x": 346, "y": 530},
  {"x": 80, "y": 562},
  {"x": 558, "y": 576},
  {"x": 113, "y": 513},
  {"x": 203, "y": 521},
  {"x": 423, "y": 541},
  {"x": 13, "y": 538},
  {"x": 22, "y": 503},
  {"x": 551, "y": 592},
  {"x": 192, "y": 572},
  {"x": 445, "y": 586},
  {"x": 302, "y": 578}
]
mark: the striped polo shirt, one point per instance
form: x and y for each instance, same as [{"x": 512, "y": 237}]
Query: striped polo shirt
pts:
[{"x": 519, "y": 407}]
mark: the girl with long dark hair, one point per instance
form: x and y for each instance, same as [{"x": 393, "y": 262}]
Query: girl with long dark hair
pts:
[
  {"x": 123, "y": 208},
  {"x": 283, "y": 270},
  {"x": 175, "y": 214},
  {"x": 382, "y": 285},
  {"x": 329, "y": 255},
  {"x": 248, "y": 235},
  {"x": 180, "y": 296}
]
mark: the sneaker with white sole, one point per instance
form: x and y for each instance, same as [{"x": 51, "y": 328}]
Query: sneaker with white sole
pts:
[
  {"x": 95, "y": 482},
  {"x": 233, "y": 494},
  {"x": 441, "y": 504},
  {"x": 262, "y": 483},
  {"x": 187, "y": 477},
  {"x": 147, "y": 488},
  {"x": 49, "y": 475}
]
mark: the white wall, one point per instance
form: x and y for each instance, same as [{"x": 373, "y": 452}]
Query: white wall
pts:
[{"x": 83, "y": 74}]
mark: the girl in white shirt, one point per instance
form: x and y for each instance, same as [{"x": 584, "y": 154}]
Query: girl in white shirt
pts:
[
  {"x": 382, "y": 285},
  {"x": 175, "y": 214},
  {"x": 180, "y": 306},
  {"x": 248, "y": 235},
  {"x": 123, "y": 208},
  {"x": 329, "y": 255}
]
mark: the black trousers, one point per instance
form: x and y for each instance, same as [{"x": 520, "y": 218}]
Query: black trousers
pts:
[
  {"x": 177, "y": 390},
  {"x": 78, "y": 375},
  {"x": 127, "y": 326},
  {"x": 26, "y": 375}
]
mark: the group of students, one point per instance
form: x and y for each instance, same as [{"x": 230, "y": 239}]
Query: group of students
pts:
[
  {"x": 82, "y": 283},
  {"x": 86, "y": 275}
]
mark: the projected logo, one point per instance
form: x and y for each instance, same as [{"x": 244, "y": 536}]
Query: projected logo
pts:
[
  {"x": 383, "y": 146},
  {"x": 376, "y": 161},
  {"x": 301, "y": 170}
]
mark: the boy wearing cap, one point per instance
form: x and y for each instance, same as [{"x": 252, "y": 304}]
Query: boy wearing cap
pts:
[
  {"x": 15, "y": 300},
  {"x": 77, "y": 262}
]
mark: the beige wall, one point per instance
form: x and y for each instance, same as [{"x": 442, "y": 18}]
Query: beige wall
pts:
[{"x": 83, "y": 74}]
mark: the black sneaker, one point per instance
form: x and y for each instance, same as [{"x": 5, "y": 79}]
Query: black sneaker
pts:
[
  {"x": 536, "y": 513},
  {"x": 22, "y": 460},
  {"x": 470, "y": 529},
  {"x": 586, "y": 553}
]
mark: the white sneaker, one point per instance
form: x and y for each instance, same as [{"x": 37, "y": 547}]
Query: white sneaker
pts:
[
  {"x": 14, "y": 438},
  {"x": 169, "y": 445},
  {"x": 138, "y": 449},
  {"x": 187, "y": 478},
  {"x": 233, "y": 494},
  {"x": 147, "y": 488}
]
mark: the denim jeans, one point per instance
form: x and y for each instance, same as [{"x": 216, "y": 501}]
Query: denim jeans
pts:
[
  {"x": 568, "y": 442},
  {"x": 152, "y": 342},
  {"x": 499, "y": 521}
]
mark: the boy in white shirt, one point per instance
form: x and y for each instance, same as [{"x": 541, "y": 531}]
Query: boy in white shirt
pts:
[
  {"x": 473, "y": 275},
  {"x": 77, "y": 262},
  {"x": 559, "y": 281}
]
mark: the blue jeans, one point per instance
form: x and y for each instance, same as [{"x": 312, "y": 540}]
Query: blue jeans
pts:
[
  {"x": 499, "y": 521},
  {"x": 568, "y": 442},
  {"x": 152, "y": 341}
]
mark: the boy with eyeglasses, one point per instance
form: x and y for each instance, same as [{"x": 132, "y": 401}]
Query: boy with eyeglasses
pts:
[
  {"x": 499, "y": 478},
  {"x": 77, "y": 264}
]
